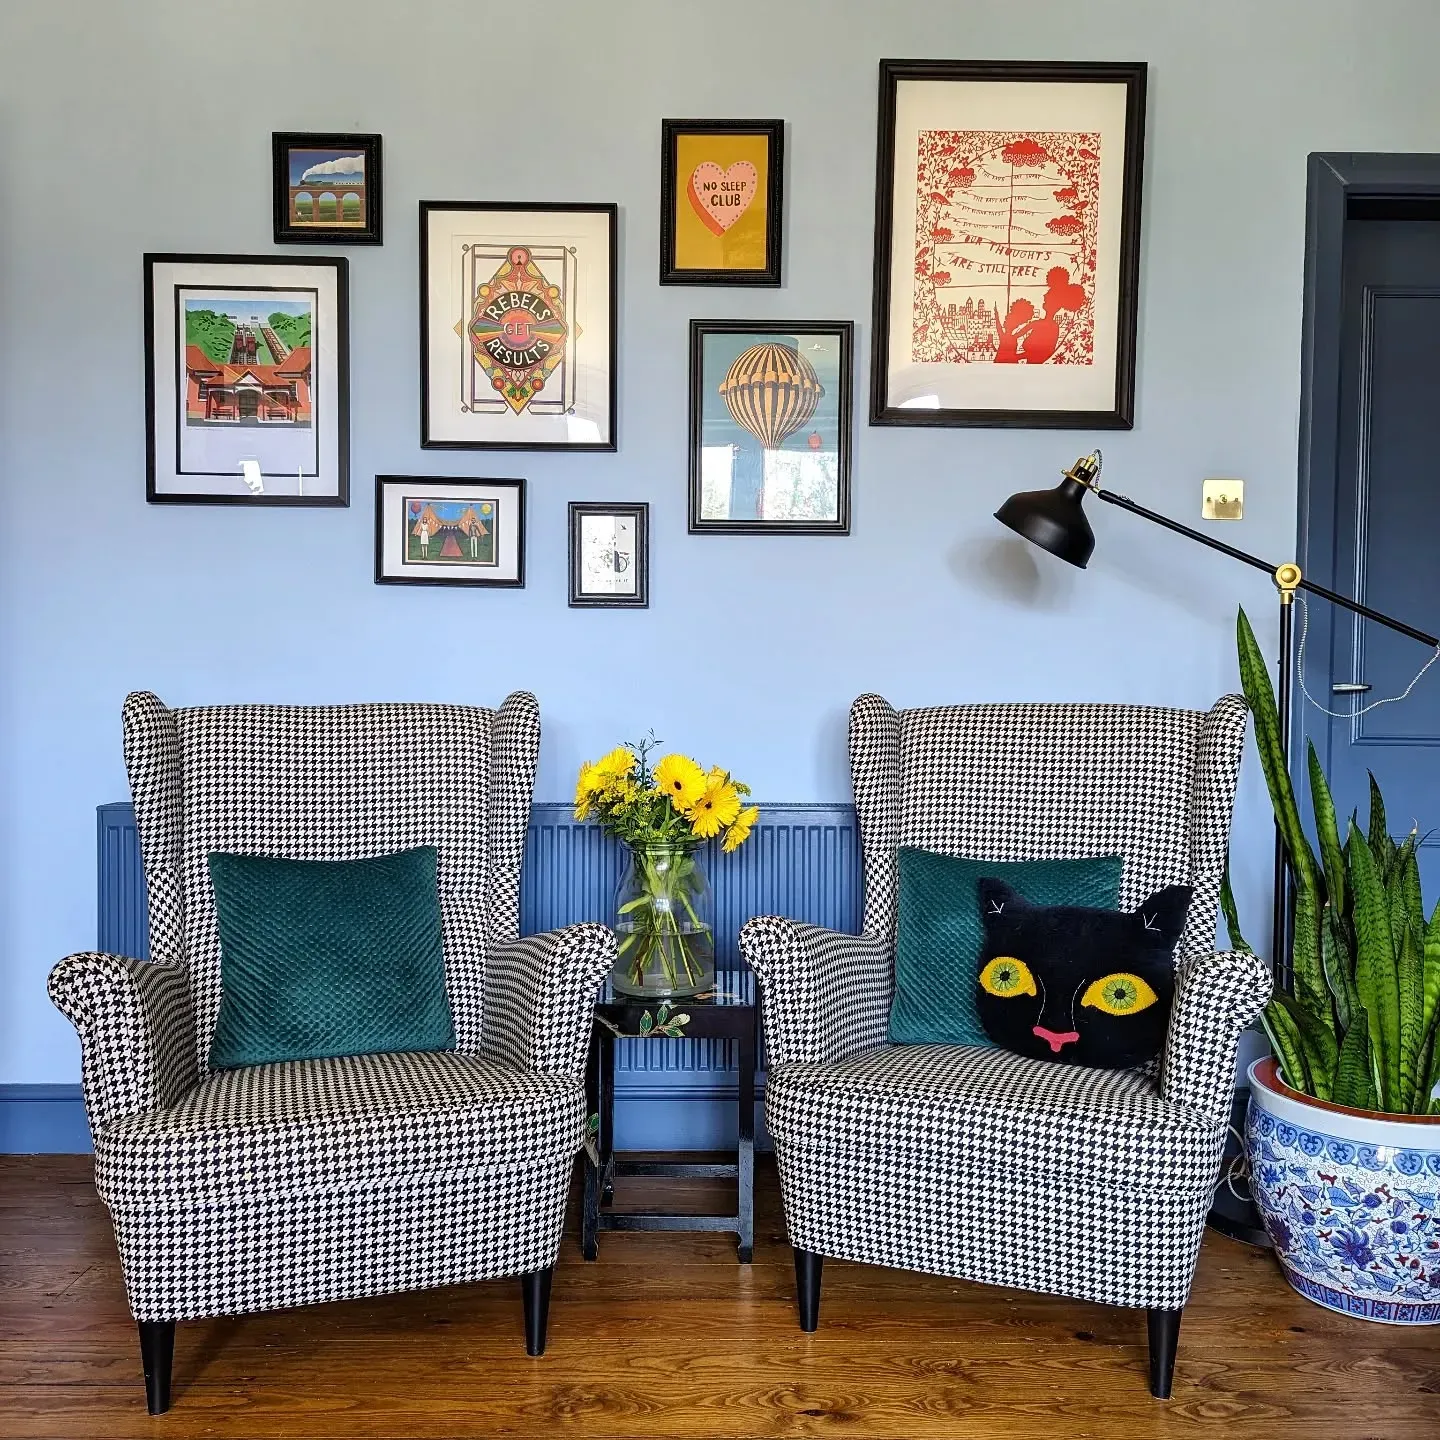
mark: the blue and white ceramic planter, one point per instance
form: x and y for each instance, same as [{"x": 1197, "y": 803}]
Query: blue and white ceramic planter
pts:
[{"x": 1350, "y": 1199}]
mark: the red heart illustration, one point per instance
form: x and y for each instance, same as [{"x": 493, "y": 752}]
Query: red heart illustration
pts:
[{"x": 721, "y": 197}]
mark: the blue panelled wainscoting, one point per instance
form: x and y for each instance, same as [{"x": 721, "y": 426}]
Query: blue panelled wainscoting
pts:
[{"x": 801, "y": 860}]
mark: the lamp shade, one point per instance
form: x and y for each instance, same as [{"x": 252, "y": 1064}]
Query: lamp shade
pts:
[{"x": 1053, "y": 520}]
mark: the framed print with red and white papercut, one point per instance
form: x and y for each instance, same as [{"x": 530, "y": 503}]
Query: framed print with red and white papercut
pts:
[{"x": 1007, "y": 243}]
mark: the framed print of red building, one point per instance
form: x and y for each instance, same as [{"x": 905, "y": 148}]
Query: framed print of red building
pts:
[
  {"x": 1007, "y": 243},
  {"x": 247, "y": 380}
]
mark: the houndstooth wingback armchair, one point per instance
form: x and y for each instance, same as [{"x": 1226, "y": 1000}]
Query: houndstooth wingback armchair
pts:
[
  {"x": 275, "y": 1185},
  {"x": 973, "y": 1162}
]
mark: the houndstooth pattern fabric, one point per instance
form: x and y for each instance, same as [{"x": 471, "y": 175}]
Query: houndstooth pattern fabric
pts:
[
  {"x": 137, "y": 1034},
  {"x": 285, "y": 1184},
  {"x": 1216, "y": 997},
  {"x": 404, "y": 1233},
  {"x": 975, "y": 1162},
  {"x": 540, "y": 994},
  {"x": 823, "y": 995},
  {"x": 336, "y": 1124}
]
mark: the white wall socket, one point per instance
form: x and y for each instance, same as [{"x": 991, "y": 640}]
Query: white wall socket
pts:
[{"x": 1223, "y": 500}]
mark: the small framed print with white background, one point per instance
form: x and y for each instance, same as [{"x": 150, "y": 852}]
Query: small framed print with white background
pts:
[
  {"x": 609, "y": 555},
  {"x": 431, "y": 531}
]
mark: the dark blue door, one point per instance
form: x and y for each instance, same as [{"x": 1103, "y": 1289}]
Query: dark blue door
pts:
[{"x": 1384, "y": 523}]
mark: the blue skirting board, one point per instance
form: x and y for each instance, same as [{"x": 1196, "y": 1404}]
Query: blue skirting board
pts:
[{"x": 801, "y": 860}]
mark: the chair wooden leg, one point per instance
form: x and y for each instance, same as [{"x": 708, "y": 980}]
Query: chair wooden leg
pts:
[
  {"x": 807, "y": 1287},
  {"x": 536, "y": 1289},
  {"x": 1164, "y": 1328},
  {"x": 157, "y": 1350}
]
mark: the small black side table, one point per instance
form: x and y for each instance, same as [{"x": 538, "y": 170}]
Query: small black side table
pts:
[{"x": 728, "y": 1015}]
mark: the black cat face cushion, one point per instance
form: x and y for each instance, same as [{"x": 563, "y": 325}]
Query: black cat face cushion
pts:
[{"x": 1080, "y": 987}]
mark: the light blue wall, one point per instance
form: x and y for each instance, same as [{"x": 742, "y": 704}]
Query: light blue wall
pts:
[{"x": 145, "y": 126}]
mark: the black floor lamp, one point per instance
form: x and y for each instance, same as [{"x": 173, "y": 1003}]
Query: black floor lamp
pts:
[{"x": 1055, "y": 521}]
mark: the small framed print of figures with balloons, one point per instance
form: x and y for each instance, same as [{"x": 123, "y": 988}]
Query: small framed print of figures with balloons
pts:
[
  {"x": 770, "y": 419},
  {"x": 720, "y": 201}
]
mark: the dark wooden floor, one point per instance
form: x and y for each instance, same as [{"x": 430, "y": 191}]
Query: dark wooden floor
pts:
[{"x": 668, "y": 1336}]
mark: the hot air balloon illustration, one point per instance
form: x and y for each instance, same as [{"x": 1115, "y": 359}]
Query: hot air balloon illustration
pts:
[{"x": 772, "y": 390}]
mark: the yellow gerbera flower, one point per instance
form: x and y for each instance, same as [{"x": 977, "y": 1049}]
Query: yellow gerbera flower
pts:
[
  {"x": 681, "y": 779},
  {"x": 739, "y": 831},
  {"x": 714, "y": 810},
  {"x": 591, "y": 783},
  {"x": 619, "y": 763}
]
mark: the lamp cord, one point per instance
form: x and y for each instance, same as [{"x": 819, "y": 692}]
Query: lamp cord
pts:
[{"x": 1364, "y": 709}]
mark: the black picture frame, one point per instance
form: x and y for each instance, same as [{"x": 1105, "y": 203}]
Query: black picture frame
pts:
[
  {"x": 638, "y": 511},
  {"x": 611, "y": 213},
  {"x": 287, "y": 231},
  {"x": 341, "y": 497},
  {"x": 670, "y": 133},
  {"x": 1132, "y": 75},
  {"x": 383, "y": 576},
  {"x": 844, "y": 330}
]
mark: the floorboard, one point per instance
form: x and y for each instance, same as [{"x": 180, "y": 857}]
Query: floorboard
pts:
[{"x": 666, "y": 1336}]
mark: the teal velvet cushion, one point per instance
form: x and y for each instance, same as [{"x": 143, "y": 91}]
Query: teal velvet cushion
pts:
[
  {"x": 938, "y": 938},
  {"x": 328, "y": 957}
]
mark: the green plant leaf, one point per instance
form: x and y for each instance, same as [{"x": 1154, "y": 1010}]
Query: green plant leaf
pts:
[
  {"x": 1382, "y": 847},
  {"x": 1431, "y": 984},
  {"x": 1339, "y": 962},
  {"x": 1306, "y": 954},
  {"x": 1284, "y": 1038},
  {"x": 1317, "y": 1042},
  {"x": 1260, "y": 693},
  {"x": 1375, "y": 977},
  {"x": 647, "y": 1023},
  {"x": 1231, "y": 914},
  {"x": 1354, "y": 1084},
  {"x": 1409, "y": 979},
  {"x": 1327, "y": 831}
]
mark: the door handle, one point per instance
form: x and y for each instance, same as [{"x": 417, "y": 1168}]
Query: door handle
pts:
[{"x": 1347, "y": 688}]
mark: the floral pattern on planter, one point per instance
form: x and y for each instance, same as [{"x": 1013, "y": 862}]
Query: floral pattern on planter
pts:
[{"x": 1354, "y": 1226}]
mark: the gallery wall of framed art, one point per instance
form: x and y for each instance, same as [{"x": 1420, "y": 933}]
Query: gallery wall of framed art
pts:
[{"x": 1006, "y": 266}]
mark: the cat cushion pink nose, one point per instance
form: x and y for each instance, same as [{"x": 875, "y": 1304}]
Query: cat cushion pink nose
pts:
[{"x": 1055, "y": 1038}]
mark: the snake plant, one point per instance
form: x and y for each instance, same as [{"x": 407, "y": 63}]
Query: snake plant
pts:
[{"x": 1359, "y": 1026}]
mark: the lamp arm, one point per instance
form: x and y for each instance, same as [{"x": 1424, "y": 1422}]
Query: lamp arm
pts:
[{"x": 1354, "y": 606}]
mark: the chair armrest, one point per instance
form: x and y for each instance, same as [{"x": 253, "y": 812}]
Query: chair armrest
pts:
[
  {"x": 1216, "y": 996},
  {"x": 540, "y": 998},
  {"x": 823, "y": 995},
  {"x": 137, "y": 1032}
]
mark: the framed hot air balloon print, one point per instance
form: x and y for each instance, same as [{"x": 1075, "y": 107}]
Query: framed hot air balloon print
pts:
[
  {"x": 1007, "y": 243},
  {"x": 431, "y": 531},
  {"x": 517, "y": 326},
  {"x": 770, "y": 418},
  {"x": 721, "y": 201}
]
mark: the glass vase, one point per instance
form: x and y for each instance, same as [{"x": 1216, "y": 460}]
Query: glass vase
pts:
[{"x": 664, "y": 922}]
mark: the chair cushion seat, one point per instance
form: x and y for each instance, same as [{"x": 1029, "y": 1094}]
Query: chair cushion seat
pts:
[
  {"x": 994, "y": 1111},
  {"x": 340, "y": 1124}
]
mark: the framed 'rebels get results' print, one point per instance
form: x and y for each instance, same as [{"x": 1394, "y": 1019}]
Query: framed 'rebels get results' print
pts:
[
  {"x": 246, "y": 380},
  {"x": 1007, "y": 243},
  {"x": 770, "y": 418},
  {"x": 431, "y": 531},
  {"x": 517, "y": 326},
  {"x": 721, "y": 201}
]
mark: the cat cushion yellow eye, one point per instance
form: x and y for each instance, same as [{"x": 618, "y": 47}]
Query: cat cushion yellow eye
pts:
[
  {"x": 1119, "y": 995},
  {"x": 1006, "y": 976}
]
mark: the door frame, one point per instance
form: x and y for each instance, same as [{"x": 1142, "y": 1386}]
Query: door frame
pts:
[{"x": 1340, "y": 186}]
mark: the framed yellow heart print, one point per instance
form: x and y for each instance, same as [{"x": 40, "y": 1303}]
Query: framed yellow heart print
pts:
[{"x": 720, "y": 201}]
